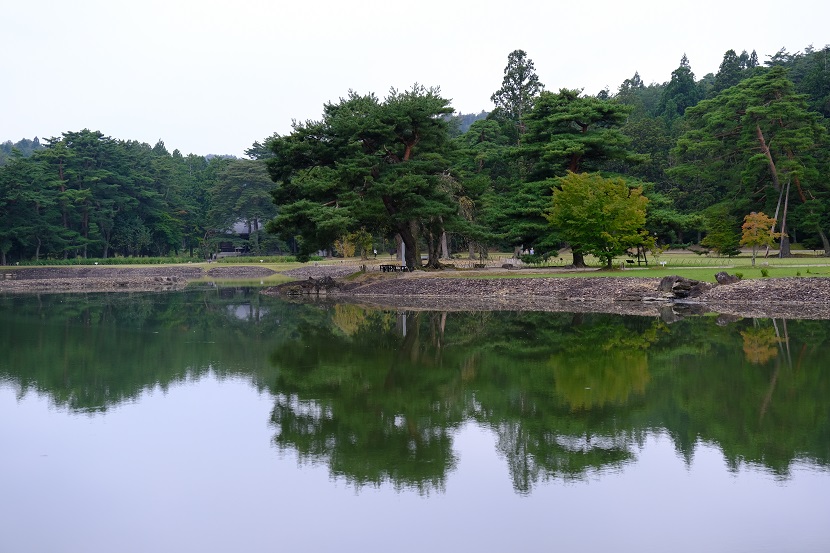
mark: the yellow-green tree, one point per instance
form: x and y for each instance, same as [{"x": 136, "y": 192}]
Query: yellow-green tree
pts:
[
  {"x": 757, "y": 232},
  {"x": 601, "y": 216}
]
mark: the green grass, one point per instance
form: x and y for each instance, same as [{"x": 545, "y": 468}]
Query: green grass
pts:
[{"x": 685, "y": 264}]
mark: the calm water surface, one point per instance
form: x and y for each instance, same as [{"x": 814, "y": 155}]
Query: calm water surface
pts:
[{"x": 224, "y": 421}]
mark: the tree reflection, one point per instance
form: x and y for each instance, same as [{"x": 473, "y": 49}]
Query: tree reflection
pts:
[
  {"x": 377, "y": 396},
  {"x": 370, "y": 404},
  {"x": 760, "y": 344}
]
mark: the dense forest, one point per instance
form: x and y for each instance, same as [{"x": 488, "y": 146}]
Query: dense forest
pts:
[{"x": 676, "y": 163}]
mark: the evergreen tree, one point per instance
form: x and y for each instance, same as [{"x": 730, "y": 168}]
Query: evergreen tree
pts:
[
  {"x": 757, "y": 138},
  {"x": 519, "y": 89},
  {"x": 368, "y": 163},
  {"x": 729, "y": 73},
  {"x": 680, "y": 93}
]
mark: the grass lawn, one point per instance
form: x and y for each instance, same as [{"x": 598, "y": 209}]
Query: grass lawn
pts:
[
  {"x": 685, "y": 264},
  {"x": 675, "y": 262}
]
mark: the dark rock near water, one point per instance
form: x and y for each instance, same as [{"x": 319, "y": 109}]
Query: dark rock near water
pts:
[
  {"x": 677, "y": 287},
  {"x": 313, "y": 285},
  {"x": 725, "y": 278}
]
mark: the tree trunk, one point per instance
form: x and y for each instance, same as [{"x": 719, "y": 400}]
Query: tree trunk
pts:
[
  {"x": 765, "y": 149},
  {"x": 445, "y": 249},
  {"x": 579, "y": 258},
  {"x": 415, "y": 230},
  {"x": 435, "y": 232},
  {"x": 472, "y": 250},
  {"x": 784, "y": 249},
  {"x": 824, "y": 242},
  {"x": 408, "y": 241}
]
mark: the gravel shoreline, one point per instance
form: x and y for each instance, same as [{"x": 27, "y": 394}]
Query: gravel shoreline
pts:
[
  {"x": 116, "y": 279},
  {"x": 803, "y": 298},
  {"x": 791, "y": 298}
]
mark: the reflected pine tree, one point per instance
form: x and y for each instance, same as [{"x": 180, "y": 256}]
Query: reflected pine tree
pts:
[
  {"x": 89, "y": 352},
  {"x": 377, "y": 396},
  {"x": 372, "y": 403}
]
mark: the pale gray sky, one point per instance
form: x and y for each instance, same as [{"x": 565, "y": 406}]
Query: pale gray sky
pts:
[{"x": 213, "y": 76}]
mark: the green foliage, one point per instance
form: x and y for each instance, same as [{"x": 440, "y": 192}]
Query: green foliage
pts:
[
  {"x": 24, "y": 147},
  {"x": 519, "y": 90},
  {"x": 368, "y": 163},
  {"x": 404, "y": 165},
  {"x": 681, "y": 93},
  {"x": 748, "y": 143},
  {"x": 722, "y": 235},
  {"x": 91, "y": 195},
  {"x": 570, "y": 132},
  {"x": 565, "y": 131},
  {"x": 599, "y": 216}
]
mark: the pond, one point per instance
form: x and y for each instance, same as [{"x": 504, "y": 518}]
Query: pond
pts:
[{"x": 220, "y": 420}]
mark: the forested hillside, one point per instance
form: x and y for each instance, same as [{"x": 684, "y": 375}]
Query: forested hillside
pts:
[
  {"x": 24, "y": 146},
  {"x": 644, "y": 166}
]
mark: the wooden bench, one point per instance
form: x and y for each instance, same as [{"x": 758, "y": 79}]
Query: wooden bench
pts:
[{"x": 393, "y": 268}]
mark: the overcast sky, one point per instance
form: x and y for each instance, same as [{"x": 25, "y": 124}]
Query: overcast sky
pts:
[{"x": 213, "y": 76}]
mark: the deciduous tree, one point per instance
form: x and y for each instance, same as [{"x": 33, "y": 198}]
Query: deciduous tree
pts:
[
  {"x": 758, "y": 232},
  {"x": 601, "y": 216}
]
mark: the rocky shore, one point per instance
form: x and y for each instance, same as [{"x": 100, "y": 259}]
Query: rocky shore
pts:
[
  {"x": 804, "y": 298},
  {"x": 116, "y": 279}
]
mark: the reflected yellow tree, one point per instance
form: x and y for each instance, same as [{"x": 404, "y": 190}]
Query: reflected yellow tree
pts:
[{"x": 760, "y": 344}]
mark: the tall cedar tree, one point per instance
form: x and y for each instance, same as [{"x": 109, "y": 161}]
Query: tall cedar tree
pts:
[{"x": 519, "y": 89}]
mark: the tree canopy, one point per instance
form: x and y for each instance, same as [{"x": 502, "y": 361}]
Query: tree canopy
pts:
[
  {"x": 600, "y": 216},
  {"x": 519, "y": 90},
  {"x": 368, "y": 163}
]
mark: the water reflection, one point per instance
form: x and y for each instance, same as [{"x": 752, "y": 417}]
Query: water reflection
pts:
[{"x": 378, "y": 396}]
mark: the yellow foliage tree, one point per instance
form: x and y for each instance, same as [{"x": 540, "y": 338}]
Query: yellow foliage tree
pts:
[
  {"x": 757, "y": 232},
  {"x": 345, "y": 245}
]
